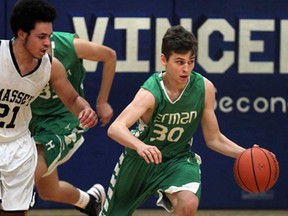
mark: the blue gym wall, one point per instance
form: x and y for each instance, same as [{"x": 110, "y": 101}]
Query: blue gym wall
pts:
[{"x": 243, "y": 50}]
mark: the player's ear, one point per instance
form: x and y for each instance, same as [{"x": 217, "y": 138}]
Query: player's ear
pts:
[
  {"x": 22, "y": 34},
  {"x": 163, "y": 60}
]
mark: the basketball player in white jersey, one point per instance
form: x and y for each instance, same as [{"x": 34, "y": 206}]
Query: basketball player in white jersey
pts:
[{"x": 25, "y": 68}]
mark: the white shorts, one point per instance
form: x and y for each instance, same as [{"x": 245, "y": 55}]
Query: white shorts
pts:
[{"x": 18, "y": 160}]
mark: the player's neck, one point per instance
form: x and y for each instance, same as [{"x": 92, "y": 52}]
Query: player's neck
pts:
[
  {"x": 172, "y": 88},
  {"x": 25, "y": 61}
]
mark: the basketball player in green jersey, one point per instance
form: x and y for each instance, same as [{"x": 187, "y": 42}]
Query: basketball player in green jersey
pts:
[
  {"x": 57, "y": 132},
  {"x": 158, "y": 159}
]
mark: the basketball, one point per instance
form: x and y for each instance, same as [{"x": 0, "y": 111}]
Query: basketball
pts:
[{"x": 256, "y": 170}]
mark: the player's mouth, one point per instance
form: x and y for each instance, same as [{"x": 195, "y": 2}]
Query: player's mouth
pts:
[
  {"x": 183, "y": 78},
  {"x": 43, "y": 51}
]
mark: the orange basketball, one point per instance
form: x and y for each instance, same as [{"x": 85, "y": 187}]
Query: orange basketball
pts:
[{"x": 256, "y": 170}]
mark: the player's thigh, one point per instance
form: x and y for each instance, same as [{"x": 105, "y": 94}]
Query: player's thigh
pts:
[{"x": 17, "y": 178}]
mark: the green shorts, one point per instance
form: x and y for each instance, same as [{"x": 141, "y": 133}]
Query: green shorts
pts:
[
  {"x": 133, "y": 181},
  {"x": 60, "y": 135}
]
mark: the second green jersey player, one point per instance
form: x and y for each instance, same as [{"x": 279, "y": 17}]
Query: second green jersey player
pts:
[{"x": 57, "y": 132}]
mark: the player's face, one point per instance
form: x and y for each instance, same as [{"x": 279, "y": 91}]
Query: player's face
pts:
[
  {"x": 38, "y": 41},
  {"x": 179, "y": 66}
]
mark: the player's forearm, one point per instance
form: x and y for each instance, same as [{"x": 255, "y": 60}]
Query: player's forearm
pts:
[
  {"x": 225, "y": 146},
  {"x": 121, "y": 134},
  {"x": 77, "y": 105},
  {"x": 106, "y": 83}
]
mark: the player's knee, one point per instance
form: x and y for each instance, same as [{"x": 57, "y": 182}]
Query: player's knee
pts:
[
  {"x": 46, "y": 195},
  {"x": 187, "y": 207},
  {"x": 43, "y": 196}
]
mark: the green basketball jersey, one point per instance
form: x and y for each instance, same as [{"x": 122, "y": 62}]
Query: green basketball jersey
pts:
[
  {"x": 63, "y": 48},
  {"x": 173, "y": 123}
]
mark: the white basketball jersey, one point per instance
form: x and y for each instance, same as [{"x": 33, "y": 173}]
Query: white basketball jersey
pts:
[{"x": 17, "y": 92}]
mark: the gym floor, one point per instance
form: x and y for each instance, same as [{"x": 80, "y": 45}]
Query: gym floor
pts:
[{"x": 72, "y": 212}]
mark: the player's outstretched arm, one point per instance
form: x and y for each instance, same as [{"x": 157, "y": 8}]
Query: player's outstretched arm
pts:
[
  {"x": 75, "y": 103},
  {"x": 214, "y": 139}
]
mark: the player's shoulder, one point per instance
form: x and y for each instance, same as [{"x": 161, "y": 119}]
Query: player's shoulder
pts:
[
  {"x": 208, "y": 85},
  {"x": 145, "y": 98},
  {"x": 56, "y": 62},
  {"x": 207, "y": 82}
]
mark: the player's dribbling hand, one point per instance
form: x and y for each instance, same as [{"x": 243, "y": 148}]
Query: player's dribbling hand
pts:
[
  {"x": 150, "y": 154},
  {"x": 256, "y": 145},
  {"x": 88, "y": 118}
]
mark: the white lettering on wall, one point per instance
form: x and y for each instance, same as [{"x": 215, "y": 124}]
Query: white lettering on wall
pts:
[
  {"x": 248, "y": 46},
  {"x": 97, "y": 37},
  {"x": 132, "y": 27},
  {"x": 162, "y": 24},
  {"x": 204, "y": 32},
  {"x": 283, "y": 46}
]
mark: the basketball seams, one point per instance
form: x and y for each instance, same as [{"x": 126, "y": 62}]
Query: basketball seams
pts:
[
  {"x": 253, "y": 169},
  {"x": 270, "y": 170}
]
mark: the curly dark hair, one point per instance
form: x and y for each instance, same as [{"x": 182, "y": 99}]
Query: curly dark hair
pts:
[
  {"x": 177, "y": 39},
  {"x": 26, "y": 13}
]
